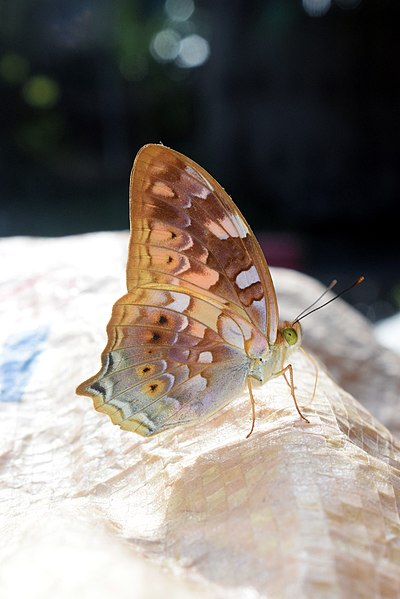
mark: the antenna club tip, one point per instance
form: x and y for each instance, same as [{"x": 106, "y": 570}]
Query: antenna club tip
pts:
[{"x": 360, "y": 280}]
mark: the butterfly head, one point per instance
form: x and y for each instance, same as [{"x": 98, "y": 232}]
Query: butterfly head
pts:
[{"x": 263, "y": 366}]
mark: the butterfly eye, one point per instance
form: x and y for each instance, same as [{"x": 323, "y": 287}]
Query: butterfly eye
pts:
[{"x": 290, "y": 336}]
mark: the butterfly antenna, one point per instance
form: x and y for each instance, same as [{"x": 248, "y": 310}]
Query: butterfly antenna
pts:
[
  {"x": 302, "y": 315},
  {"x": 330, "y": 286}
]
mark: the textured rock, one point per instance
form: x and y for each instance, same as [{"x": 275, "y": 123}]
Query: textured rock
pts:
[{"x": 296, "y": 510}]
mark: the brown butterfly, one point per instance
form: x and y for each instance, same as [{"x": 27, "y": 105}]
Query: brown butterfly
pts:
[{"x": 200, "y": 318}]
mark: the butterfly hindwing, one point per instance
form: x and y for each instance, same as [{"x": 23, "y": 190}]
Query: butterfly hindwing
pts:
[{"x": 161, "y": 366}]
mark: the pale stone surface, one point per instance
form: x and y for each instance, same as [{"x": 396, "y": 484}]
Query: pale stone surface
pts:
[{"x": 88, "y": 510}]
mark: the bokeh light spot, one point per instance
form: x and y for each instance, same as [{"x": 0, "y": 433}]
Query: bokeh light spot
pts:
[
  {"x": 165, "y": 45},
  {"x": 41, "y": 92},
  {"x": 316, "y": 8},
  {"x": 13, "y": 68},
  {"x": 193, "y": 51},
  {"x": 179, "y": 10}
]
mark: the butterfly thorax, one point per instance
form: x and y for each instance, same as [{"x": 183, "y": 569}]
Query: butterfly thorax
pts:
[{"x": 270, "y": 362}]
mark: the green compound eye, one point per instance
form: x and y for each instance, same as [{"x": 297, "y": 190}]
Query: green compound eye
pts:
[{"x": 290, "y": 336}]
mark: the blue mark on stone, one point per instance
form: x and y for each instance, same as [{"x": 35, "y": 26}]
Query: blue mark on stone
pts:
[{"x": 19, "y": 355}]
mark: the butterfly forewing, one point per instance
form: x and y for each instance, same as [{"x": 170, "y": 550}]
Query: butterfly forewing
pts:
[
  {"x": 200, "y": 301},
  {"x": 186, "y": 230}
]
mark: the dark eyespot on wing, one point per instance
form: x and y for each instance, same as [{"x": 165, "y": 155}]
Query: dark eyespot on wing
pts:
[{"x": 98, "y": 389}]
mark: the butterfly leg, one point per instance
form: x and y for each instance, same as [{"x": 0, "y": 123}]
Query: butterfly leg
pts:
[
  {"x": 253, "y": 408},
  {"x": 290, "y": 384},
  {"x": 287, "y": 381}
]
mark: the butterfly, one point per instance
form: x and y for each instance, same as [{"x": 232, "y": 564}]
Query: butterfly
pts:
[{"x": 199, "y": 320}]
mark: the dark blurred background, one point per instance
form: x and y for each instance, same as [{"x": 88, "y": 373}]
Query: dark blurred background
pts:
[{"x": 293, "y": 105}]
